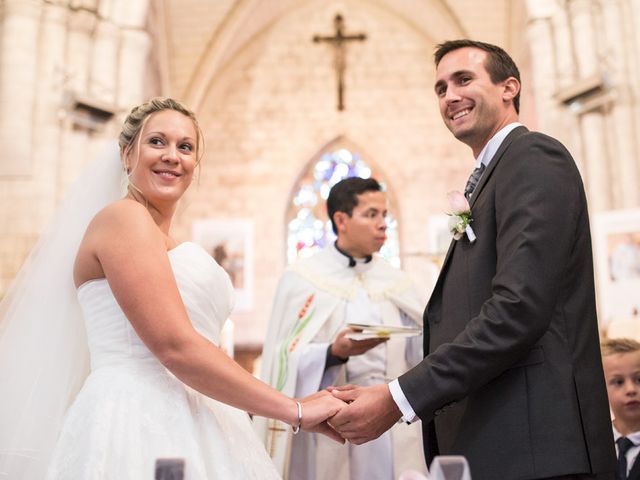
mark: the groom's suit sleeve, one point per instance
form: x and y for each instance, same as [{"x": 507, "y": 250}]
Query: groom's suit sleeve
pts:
[{"x": 536, "y": 210}]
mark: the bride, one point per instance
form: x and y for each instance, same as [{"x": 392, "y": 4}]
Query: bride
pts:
[{"x": 158, "y": 387}]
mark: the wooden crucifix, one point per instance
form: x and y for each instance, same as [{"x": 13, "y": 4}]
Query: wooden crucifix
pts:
[{"x": 338, "y": 42}]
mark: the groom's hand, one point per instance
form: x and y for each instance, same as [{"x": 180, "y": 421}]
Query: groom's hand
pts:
[{"x": 370, "y": 413}]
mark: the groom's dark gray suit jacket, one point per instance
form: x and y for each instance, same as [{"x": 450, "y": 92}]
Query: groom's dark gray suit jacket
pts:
[{"x": 513, "y": 379}]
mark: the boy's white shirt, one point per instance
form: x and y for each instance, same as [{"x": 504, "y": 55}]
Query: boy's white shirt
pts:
[{"x": 632, "y": 453}]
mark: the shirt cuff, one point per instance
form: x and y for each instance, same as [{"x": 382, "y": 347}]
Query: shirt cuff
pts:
[{"x": 408, "y": 415}]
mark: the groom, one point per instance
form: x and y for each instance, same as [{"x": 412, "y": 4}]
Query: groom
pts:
[{"x": 513, "y": 378}]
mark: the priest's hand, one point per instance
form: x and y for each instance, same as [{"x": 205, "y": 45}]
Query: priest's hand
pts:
[
  {"x": 371, "y": 412},
  {"x": 317, "y": 409},
  {"x": 343, "y": 347}
]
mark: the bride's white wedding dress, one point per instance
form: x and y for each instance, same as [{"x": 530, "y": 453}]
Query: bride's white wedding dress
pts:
[{"x": 132, "y": 411}]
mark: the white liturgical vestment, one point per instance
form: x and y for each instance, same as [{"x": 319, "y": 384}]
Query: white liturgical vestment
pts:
[{"x": 315, "y": 300}]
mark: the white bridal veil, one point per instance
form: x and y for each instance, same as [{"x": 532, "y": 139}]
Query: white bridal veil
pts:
[{"x": 43, "y": 346}]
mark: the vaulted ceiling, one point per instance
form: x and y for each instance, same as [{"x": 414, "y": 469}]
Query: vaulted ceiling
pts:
[{"x": 198, "y": 38}]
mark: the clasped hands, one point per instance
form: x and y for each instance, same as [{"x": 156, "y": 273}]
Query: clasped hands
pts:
[{"x": 355, "y": 414}]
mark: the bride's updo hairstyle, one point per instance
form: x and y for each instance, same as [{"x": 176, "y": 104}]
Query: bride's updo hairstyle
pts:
[{"x": 138, "y": 117}]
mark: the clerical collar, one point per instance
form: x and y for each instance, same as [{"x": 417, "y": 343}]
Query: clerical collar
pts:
[{"x": 352, "y": 261}]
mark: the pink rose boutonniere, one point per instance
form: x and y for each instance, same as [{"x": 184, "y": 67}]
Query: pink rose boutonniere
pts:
[{"x": 460, "y": 216}]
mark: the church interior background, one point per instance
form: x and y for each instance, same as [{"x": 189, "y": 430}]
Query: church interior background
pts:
[{"x": 284, "y": 116}]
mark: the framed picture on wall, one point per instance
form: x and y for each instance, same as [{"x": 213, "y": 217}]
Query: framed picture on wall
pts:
[
  {"x": 439, "y": 237},
  {"x": 230, "y": 243},
  {"x": 617, "y": 257}
]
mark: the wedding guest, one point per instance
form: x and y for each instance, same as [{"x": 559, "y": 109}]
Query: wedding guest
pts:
[{"x": 621, "y": 361}]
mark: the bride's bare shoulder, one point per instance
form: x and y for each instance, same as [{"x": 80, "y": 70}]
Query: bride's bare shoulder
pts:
[
  {"x": 115, "y": 231},
  {"x": 124, "y": 222},
  {"x": 122, "y": 214},
  {"x": 123, "y": 210}
]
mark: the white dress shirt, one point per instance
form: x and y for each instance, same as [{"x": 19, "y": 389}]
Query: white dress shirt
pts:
[{"x": 632, "y": 453}]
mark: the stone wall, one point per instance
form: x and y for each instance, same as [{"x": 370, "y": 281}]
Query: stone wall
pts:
[
  {"x": 68, "y": 72},
  {"x": 586, "y": 57},
  {"x": 273, "y": 108},
  {"x": 266, "y": 97}
]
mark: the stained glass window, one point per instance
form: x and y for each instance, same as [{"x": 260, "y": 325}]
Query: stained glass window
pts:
[{"x": 308, "y": 225}]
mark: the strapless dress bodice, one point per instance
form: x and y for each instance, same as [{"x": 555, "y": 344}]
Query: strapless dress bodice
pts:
[
  {"x": 132, "y": 411},
  {"x": 206, "y": 292}
]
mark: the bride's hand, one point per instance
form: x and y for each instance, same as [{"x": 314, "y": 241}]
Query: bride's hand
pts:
[
  {"x": 320, "y": 393},
  {"x": 317, "y": 409}
]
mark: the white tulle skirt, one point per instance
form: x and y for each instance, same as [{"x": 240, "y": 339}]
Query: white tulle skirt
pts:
[{"x": 125, "y": 418}]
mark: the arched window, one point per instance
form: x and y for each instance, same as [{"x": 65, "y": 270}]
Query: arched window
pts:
[{"x": 308, "y": 225}]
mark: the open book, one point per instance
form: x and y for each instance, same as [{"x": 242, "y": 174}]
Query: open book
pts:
[{"x": 365, "y": 331}]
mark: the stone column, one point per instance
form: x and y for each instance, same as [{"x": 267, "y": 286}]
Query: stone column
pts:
[
  {"x": 134, "y": 50},
  {"x": 18, "y": 75},
  {"x": 81, "y": 27},
  {"x": 623, "y": 125},
  {"x": 133, "y": 53},
  {"x": 543, "y": 68},
  {"x": 47, "y": 126},
  {"x": 553, "y": 69},
  {"x": 592, "y": 125},
  {"x": 104, "y": 63},
  {"x": 567, "y": 127}
]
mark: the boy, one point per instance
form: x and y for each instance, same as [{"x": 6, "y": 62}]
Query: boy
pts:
[{"x": 621, "y": 361}]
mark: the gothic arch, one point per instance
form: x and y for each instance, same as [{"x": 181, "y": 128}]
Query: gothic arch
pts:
[{"x": 306, "y": 225}]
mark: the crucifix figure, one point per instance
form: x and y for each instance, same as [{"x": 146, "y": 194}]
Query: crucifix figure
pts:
[{"x": 338, "y": 42}]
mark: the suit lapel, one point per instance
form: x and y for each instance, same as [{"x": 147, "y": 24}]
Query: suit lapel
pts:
[{"x": 515, "y": 133}]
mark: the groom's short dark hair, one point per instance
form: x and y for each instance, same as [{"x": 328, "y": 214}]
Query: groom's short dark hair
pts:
[{"x": 343, "y": 196}]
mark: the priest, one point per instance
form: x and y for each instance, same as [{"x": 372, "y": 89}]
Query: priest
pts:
[{"x": 314, "y": 339}]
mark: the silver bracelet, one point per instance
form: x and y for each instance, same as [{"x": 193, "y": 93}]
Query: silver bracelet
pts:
[{"x": 296, "y": 429}]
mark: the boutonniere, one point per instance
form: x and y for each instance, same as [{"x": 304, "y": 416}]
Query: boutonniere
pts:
[{"x": 460, "y": 216}]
